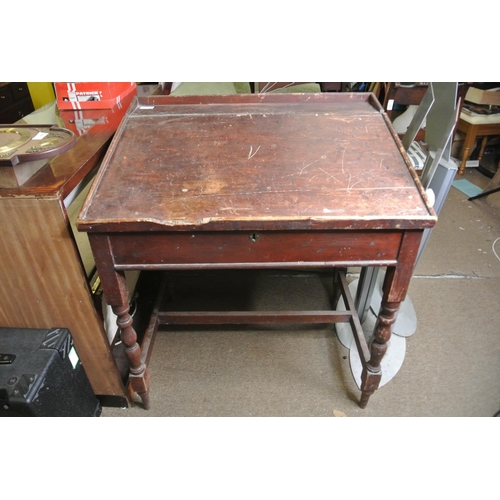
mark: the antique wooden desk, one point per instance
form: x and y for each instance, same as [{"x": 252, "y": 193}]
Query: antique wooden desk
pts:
[{"x": 256, "y": 181}]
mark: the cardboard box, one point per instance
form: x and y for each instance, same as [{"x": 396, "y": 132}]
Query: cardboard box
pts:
[
  {"x": 478, "y": 96},
  {"x": 92, "y": 95}
]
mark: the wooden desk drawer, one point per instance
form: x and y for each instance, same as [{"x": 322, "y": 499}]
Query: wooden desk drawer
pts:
[{"x": 315, "y": 247}]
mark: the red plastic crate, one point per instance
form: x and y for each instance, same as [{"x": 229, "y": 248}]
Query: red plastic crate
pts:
[{"x": 92, "y": 95}]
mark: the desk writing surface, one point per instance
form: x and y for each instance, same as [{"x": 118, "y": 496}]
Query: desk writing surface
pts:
[{"x": 255, "y": 162}]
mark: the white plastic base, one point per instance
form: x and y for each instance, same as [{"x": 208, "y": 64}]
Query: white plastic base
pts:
[
  {"x": 396, "y": 347},
  {"x": 406, "y": 321},
  {"x": 391, "y": 362}
]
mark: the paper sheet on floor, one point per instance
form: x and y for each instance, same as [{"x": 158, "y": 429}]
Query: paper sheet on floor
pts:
[{"x": 467, "y": 187}]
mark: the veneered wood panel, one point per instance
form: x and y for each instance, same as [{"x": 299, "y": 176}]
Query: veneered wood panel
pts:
[{"x": 43, "y": 284}]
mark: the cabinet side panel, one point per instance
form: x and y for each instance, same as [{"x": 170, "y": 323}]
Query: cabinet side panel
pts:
[{"x": 43, "y": 284}]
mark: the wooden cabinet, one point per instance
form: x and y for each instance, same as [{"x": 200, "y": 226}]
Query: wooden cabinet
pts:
[
  {"x": 44, "y": 281},
  {"x": 15, "y": 101}
]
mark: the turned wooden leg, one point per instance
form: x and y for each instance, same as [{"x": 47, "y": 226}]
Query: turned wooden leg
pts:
[
  {"x": 372, "y": 373},
  {"x": 396, "y": 283},
  {"x": 114, "y": 286},
  {"x": 139, "y": 375},
  {"x": 468, "y": 144},
  {"x": 465, "y": 157},
  {"x": 484, "y": 142}
]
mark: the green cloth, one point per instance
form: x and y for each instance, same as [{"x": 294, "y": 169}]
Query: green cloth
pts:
[
  {"x": 303, "y": 87},
  {"x": 223, "y": 88},
  {"x": 203, "y": 88},
  {"x": 242, "y": 87}
]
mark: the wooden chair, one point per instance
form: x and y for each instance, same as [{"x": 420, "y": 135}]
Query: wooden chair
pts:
[
  {"x": 397, "y": 94},
  {"x": 411, "y": 95}
]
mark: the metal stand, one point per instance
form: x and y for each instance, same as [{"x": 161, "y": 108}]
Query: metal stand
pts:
[
  {"x": 440, "y": 104},
  {"x": 489, "y": 188},
  {"x": 485, "y": 193}
]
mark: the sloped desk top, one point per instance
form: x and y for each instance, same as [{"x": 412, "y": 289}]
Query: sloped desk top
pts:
[{"x": 256, "y": 161}]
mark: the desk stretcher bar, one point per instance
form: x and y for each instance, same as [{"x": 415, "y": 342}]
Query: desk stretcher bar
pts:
[{"x": 350, "y": 316}]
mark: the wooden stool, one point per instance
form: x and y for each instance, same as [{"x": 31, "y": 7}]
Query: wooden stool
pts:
[{"x": 476, "y": 126}]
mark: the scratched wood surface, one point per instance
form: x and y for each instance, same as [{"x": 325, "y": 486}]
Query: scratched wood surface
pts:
[{"x": 255, "y": 162}]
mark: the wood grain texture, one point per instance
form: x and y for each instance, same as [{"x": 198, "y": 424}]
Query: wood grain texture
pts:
[
  {"x": 255, "y": 247},
  {"x": 42, "y": 277},
  {"x": 324, "y": 162},
  {"x": 44, "y": 285}
]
